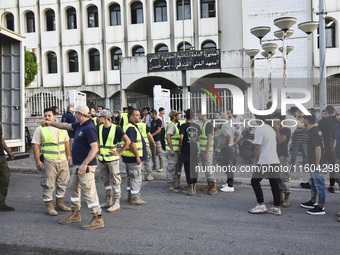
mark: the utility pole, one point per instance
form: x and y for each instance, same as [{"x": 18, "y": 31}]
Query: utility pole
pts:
[{"x": 322, "y": 46}]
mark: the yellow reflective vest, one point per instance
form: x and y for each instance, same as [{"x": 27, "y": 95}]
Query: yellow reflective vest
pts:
[
  {"x": 204, "y": 139},
  {"x": 49, "y": 147},
  {"x": 142, "y": 128},
  {"x": 94, "y": 120},
  {"x": 104, "y": 150},
  {"x": 124, "y": 117},
  {"x": 174, "y": 138},
  {"x": 138, "y": 143}
]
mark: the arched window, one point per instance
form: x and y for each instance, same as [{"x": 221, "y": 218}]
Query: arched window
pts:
[
  {"x": 136, "y": 13},
  {"x": 138, "y": 51},
  {"x": 208, "y": 45},
  {"x": 116, "y": 55},
  {"x": 92, "y": 13},
  {"x": 94, "y": 60},
  {"x": 160, "y": 11},
  {"x": 161, "y": 48},
  {"x": 10, "y": 21},
  {"x": 73, "y": 66},
  {"x": 71, "y": 18},
  {"x": 30, "y": 22},
  {"x": 187, "y": 9},
  {"x": 52, "y": 62},
  {"x": 208, "y": 9},
  {"x": 115, "y": 15},
  {"x": 50, "y": 20},
  {"x": 187, "y": 46}
]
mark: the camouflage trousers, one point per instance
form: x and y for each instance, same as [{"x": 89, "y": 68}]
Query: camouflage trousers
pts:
[{"x": 4, "y": 178}]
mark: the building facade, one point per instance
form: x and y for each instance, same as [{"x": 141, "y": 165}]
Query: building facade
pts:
[{"x": 99, "y": 47}]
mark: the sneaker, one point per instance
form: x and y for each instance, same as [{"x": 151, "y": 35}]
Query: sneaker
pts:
[
  {"x": 258, "y": 209},
  {"x": 308, "y": 205},
  {"x": 317, "y": 210},
  {"x": 224, "y": 185},
  {"x": 226, "y": 188},
  {"x": 275, "y": 211},
  {"x": 338, "y": 214},
  {"x": 331, "y": 189},
  {"x": 160, "y": 169}
]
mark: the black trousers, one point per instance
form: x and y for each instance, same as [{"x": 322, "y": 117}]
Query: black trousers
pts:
[{"x": 274, "y": 184}]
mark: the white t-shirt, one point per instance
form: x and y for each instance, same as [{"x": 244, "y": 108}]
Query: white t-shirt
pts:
[{"x": 266, "y": 137}]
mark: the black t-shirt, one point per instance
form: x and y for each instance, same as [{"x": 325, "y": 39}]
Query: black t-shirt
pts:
[
  {"x": 1, "y": 147},
  {"x": 326, "y": 126},
  {"x": 155, "y": 124},
  {"x": 209, "y": 128},
  {"x": 118, "y": 135},
  {"x": 191, "y": 132},
  {"x": 314, "y": 140}
]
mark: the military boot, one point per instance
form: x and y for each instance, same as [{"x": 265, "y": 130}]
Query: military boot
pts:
[
  {"x": 49, "y": 210},
  {"x": 213, "y": 189},
  {"x": 189, "y": 191},
  {"x": 108, "y": 202},
  {"x": 143, "y": 177},
  {"x": 96, "y": 222},
  {"x": 115, "y": 207},
  {"x": 60, "y": 205},
  {"x": 178, "y": 183},
  {"x": 4, "y": 207},
  {"x": 138, "y": 201},
  {"x": 171, "y": 187},
  {"x": 194, "y": 188},
  {"x": 281, "y": 197},
  {"x": 74, "y": 217},
  {"x": 206, "y": 188},
  {"x": 149, "y": 177},
  {"x": 286, "y": 200}
]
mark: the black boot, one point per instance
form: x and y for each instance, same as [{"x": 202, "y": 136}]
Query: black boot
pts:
[{"x": 4, "y": 207}]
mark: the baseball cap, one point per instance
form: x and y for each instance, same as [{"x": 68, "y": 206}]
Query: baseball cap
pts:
[
  {"x": 104, "y": 113},
  {"x": 83, "y": 109},
  {"x": 173, "y": 113}
]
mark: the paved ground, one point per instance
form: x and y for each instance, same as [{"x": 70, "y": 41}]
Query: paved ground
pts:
[{"x": 169, "y": 224}]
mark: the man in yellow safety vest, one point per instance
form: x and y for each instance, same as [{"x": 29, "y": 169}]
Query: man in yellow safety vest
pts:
[
  {"x": 206, "y": 153},
  {"x": 171, "y": 144},
  {"x": 49, "y": 147},
  {"x": 108, "y": 135}
]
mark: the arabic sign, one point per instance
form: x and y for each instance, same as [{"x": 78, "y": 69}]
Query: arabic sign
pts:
[{"x": 185, "y": 60}]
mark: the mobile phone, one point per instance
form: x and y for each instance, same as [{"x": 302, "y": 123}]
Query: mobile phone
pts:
[{"x": 87, "y": 170}]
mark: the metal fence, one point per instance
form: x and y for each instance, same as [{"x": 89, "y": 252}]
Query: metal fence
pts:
[{"x": 35, "y": 103}]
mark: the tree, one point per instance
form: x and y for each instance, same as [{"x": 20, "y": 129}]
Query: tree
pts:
[{"x": 31, "y": 67}]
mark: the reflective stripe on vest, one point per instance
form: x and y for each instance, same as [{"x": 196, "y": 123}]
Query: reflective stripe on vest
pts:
[
  {"x": 50, "y": 148},
  {"x": 174, "y": 138},
  {"x": 124, "y": 116},
  {"x": 204, "y": 139},
  {"x": 138, "y": 143},
  {"x": 104, "y": 150},
  {"x": 142, "y": 128}
]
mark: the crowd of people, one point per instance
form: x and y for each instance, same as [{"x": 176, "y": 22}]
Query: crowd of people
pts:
[{"x": 139, "y": 137}]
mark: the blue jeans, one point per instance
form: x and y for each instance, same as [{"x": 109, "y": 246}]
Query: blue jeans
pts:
[
  {"x": 295, "y": 150},
  {"x": 318, "y": 187}
]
